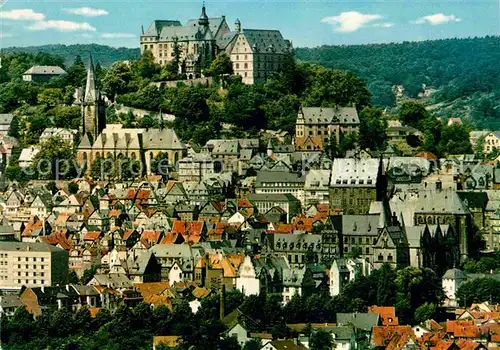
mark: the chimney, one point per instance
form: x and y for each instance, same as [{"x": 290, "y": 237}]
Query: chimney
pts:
[{"x": 222, "y": 309}]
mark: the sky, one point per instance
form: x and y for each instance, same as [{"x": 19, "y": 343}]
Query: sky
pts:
[{"x": 305, "y": 22}]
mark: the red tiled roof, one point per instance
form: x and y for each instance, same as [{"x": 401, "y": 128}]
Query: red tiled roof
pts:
[
  {"x": 391, "y": 337},
  {"x": 92, "y": 236},
  {"x": 127, "y": 234},
  {"x": 387, "y": 314}
]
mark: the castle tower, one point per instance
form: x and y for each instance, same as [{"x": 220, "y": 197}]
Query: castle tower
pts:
[
  {"x": 93, "y": 108},
  {"x": 237, "y": 26}
]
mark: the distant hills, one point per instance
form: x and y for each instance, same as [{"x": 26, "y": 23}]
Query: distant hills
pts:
[
  {"x": 461, "y": 74},
  {"x": 105, "y": 55}
]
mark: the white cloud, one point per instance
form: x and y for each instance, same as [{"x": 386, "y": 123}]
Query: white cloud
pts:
[
  {"x": 87, "y": 12},
  {"x": 62, "y": 26},
  {"x": 383, "y": 25},
  {"x": 438, "y": 18},
  {"x": 22, "y": 15},
  {"x": 350, "y": 21},
  {"x": 117, "y": 35}
]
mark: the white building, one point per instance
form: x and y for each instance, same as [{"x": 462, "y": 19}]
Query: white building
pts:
[
  {"x": 27, "y": 155},
  {"x": 451, "y": 281},
  {"x": 32, "y": 265},
  {"x": 247, "y": 282},
  {"x": 66, "y": 135},
  {"x": 316, "y": 187}
]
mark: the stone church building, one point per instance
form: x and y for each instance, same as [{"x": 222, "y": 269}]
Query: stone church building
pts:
[{"x": 114, "y": 141}]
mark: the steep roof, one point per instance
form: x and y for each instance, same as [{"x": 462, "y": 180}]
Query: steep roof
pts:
[
  {"x": 348, "y": 172},
  {"x": 454, "y": 274},
  {"x": 45, "y": 70},
  {"x": 156, "y": 27},
  {"x": 25, "y": 246},
  {"x": 322, "y": 115},
  {"x": 266, "y": 41}
]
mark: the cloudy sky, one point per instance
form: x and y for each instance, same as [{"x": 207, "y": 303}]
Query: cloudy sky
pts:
[{"x": 305, "y": 22}]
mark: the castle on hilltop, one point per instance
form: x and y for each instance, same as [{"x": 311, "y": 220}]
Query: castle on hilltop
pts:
[{"x": 255, "y": 53}]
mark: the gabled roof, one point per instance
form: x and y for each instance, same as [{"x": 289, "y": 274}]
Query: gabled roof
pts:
[{"x": 45, "y": 70}]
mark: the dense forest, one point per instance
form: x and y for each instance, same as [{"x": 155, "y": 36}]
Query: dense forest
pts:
[
  {"x": 105, "y": 55},
  {"x": 464, "y": 73}
]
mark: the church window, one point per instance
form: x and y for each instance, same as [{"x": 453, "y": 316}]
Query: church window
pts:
[
  {"x": 367, "y": 250},
  {"x": 380, "y": 257},
  {"x": 246, "y": 65},
  {"x": 389, "y": 257},
  {"x": 237, "y": 66}
]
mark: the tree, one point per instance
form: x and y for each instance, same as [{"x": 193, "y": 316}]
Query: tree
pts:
[
  {"x": 372, "y": 129},
  {"x": 117, "y": 80},
  {"x": 416, "y": 287},
  {"x": 82, "y": 320},
  {"x": 221, "y": 65},
  {"x": 479, "y": 290},
  {"x": 252, "y": 344},
  {"x": 145, "y": 66},
  {"x": 77, "y": 73},
  {"x": 412, "y": 114},
  {"x": 14, "y": 127},
  {"x": 229, "y": 343},
  {"x": 73, "y": 188},
  {"x": 88, "y": 274},
  {"x": 56, "y": 160},
  {"x": 20, "y": 328},
  {"x": 333, "y": 87},
  {"x": 148, "y": 122},
  {"x": 51, "y": 97},
  {"x": 52, "y": 187},
  {"x": 73, "y": 277},
  {"x": 455, "y": 140},
  {"x": 424, "y": 312},
  {"x": 321, "y": 340}
]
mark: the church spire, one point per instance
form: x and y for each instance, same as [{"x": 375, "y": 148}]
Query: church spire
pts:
[
  {"x": 90, "y": 89},
  {"x": 203, "y": 21}
]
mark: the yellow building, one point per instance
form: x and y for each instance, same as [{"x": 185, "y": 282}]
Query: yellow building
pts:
[
  {"x": 117, "y": 142},
  {"x": 318, "y": 122},
  {"x": 491, "y": 141},
  {"x": 32, "y": 265}
]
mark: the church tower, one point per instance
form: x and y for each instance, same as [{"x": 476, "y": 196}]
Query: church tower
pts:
[{"x": 93, "y": 108}]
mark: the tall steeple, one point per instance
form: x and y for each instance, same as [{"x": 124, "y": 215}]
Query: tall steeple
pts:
[
  {"x": 93, "y": 108},
  {"x": 91, "y": 94},
  {"x": 203, "y": 21}
]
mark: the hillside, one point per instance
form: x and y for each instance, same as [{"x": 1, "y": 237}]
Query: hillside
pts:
[
  {"x": 464, "y": 73},
  {"x": 103, "y": 54}
]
